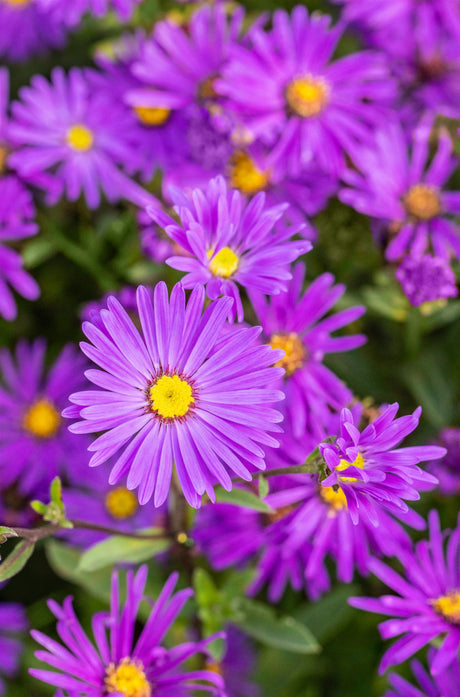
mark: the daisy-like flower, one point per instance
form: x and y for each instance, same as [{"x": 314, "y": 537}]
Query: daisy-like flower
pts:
[
  {"x": 178, "y": 67},
  {"x": 68, "y": 129},
  {"x": 121, "y": 662},
  {"x": 27, "y": 28},
  {"x": 295, "y": 322},
  {"x": 35, "y": 444},
  {"x": 230, "y": 242},
  {"x": 287, "y": 91},
  {"x": 183, "y": 390},
  {"x": 370, "y": 468},
  {"x": 61, "y": 12},
  {"x": 426, "y": 600},
  {"x": 13, "y": 623},
  {"x": 426, "y": 279},
  {"x": 406, "y": 196},
  {"x": 443, "y": 685}
]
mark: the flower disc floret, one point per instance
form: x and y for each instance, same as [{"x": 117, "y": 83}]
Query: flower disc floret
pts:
[
  {"x": 152, "y": 116},
  {"x": 121, "y": 503},
  {"x": 128, "y": 679},
  {"x": 171, "y": 396},
  {"x": 80, "y": 138},
  {"x": 246, "y": 176},
  {"x": 307, "y": 96},
  {"x": 422, "y": 202},
  {"x": 41, "y": 419}
]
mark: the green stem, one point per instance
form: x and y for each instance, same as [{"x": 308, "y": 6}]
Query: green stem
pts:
[
  {"x": 80, "y": 256},
  {"x": 35, "y": 534}
]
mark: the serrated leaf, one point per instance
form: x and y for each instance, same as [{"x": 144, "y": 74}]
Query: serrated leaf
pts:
[
  {"x": 122, "y": 549},
  {"x": 243, "y": 498},
  {"x": 261, "y": 622},
  {"x": 16, "y": 560},
  {"x": 264, "y": 487}
]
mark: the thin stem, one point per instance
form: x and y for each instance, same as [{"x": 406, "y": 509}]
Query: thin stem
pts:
[
  {"x": 36, "y": 534},
  {"x": 310, "y": 468}
]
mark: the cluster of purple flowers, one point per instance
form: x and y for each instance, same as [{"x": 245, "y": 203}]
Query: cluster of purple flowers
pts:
[{"x": 251, "y": 128}]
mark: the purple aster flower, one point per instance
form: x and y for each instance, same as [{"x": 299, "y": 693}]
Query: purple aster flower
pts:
[
  {"x": 372, "y": 471},
  {"x": 12, "y": 622},
  {"x": 61, "y": 12},
  {"x": 121, "y": 662},
  {"x": 443, "y": 685},
  {"x": 110, "y": 506},
  {"x": 183, "y": 390},
  {"x": 426, "y": 279},
  {"x": 66, "y": 128},
  {"x": 288, "y": 93},
  {"x": 35, "y": 444},
  {"x": 27, "y": 28},
  {"x": 406, "y": 196},
  {"x": 295, "y": 323},
  {"x": 12, "y": 274},
  {"x": 178, "y": 67},
  {"x": 426, "y": 600},
  {"x": 231, "y": 242},
  {"x": 447, "y": 470}
]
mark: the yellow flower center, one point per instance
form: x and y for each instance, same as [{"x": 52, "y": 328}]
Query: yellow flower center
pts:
[
  {"x": 448, "y": 606},
  {"x": 152, "y": 115},
  {"x": 344, "y": 464},
  {"x": 245, "y": 176},
  {"x": 80, "y": 138},
  {"x": 42, "y": 419},
  {"x": 422, "y": 202},
  {"x": 224, "y": 263},
  {"x": 128, "y": 679},
  {"x": 17, "y": 3},
  {"x": 171, "y": 397},
  {"x": 307, "y": 96},
  {"x": 294, "y": 349},
  {"x": 335, "y": 498},
  {"x": 215, "y": 667},
  {"x": 121, "y": 503}
]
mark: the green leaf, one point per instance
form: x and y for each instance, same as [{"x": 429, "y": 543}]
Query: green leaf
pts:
[
  {"x": 39, "y": 507},
  {"x": 56, "y": 491},
  {"x": 261, "y": 622},
  {"x": 122, "y": 549},
  {"x": 242, "y": 498},
  {"x": 263, "y": 486},
  {"x": 16, "y": 560},
  {"x": 7, "y": 532}
]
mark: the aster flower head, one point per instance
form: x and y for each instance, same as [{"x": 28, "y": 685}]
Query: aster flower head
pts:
[
  {"x": 231, "y": 242},
  {"x": 295, "y": 322},
  {"x": 425, "y": 604},
  {"x": 287, "y": 91},
  {"x": 27, "y": 28},
  {"x": 182, "y": 390},
  {"x": 370, "y": 468},
  {"x": 406, "y": 195},
  {"x": 178, "y": 67},
  {"x": 13, "y": 623},
  {"x": 35, "y": 444},
  {"x": 426, "y": 279},
  {"x": 443, "y": 685},
  {"x": 119, "y": 662},
  {"x": 66, "y": 128}
]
